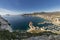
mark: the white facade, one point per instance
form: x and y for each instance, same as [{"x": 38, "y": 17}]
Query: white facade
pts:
[{"x": 56, "y": 21}]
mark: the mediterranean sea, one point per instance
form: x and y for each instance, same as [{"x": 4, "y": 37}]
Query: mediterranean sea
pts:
[{"x": 19, "y": 22}]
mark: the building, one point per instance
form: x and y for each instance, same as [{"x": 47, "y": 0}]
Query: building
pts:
[{"x": 56, "y": 21}]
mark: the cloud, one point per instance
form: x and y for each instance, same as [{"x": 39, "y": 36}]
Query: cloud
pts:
[
  {"x": 13, "y": 12},
  {"x": 16, "y": 12},
  {"x": 5, "y": 11},
  {"x": 56, "y": 9}
]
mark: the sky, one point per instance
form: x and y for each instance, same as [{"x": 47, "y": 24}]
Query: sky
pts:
[{"x": 28, "y": 6}]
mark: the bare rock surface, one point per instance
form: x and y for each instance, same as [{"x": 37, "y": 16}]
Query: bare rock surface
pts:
[{"x": 44, "y": 37}]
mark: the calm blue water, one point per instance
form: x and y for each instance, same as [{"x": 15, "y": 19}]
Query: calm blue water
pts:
[{"x": 22, "y": 22}]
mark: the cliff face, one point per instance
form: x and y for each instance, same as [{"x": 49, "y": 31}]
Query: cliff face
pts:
[{"x": 4, "y": 25}]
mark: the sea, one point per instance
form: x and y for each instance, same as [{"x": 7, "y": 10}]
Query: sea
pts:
[{"x": 19, "y": 22}]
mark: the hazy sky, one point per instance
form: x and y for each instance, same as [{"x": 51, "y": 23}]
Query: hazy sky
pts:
[{"x": 21, "y": 6}]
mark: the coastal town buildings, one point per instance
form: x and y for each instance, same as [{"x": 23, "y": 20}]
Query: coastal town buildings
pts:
[
  {"x": 56, "y": 21},
  {"x": 51, "y": 28}
]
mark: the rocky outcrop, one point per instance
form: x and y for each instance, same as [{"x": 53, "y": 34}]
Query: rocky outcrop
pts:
[
  {"x": 34, "y": 29},
  {"x": 44, "y": 37},
  {"x": 4, "y": 25}
]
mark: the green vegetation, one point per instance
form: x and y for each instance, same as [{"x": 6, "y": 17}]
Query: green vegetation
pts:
[{"x": 6, "y": 35}]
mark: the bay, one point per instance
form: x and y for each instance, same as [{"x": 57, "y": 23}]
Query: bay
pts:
[{"x": 19, "y": 22}]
